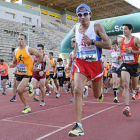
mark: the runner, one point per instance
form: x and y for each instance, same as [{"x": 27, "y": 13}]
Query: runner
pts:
[
  {"x": 116, "y": 73},
  {"x": 4, "y": 75},
  {"x": 90, "y": 39},
  {"x": 40, "y": 74},
  {"x": 23, "y": 58},
  {"x": 129, "y": 48}
]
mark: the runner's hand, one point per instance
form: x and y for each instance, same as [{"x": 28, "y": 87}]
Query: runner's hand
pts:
[
  {"x": 87, "y": 39},
  {"x": 41, "y": 73},
  {"x": 34, "y": 69}
]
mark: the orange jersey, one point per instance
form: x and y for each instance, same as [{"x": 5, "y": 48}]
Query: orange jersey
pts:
[
  {"x": 52, "y": 69},
  {"x": 24, "y": 61},
  {"x": 4, "y": 66},
  {"x": 106, "y": 69},
  {"x": 129, "y": 58},
  {"x": 67, "y": 74},
  {"x": 47, "y": 73}
]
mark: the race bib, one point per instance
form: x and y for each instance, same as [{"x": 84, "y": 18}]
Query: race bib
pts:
[
  {"x": 51, "y": 70},
  {"x": 22, "y": 68},
  {"x": 89, "y": 55},
  {"x": 114, "y": 59},
  {"x": 39, "y": 67},
  {"x": 66, "y": 75},
  {"x": 60, "y": 74},
  {"x": 3, "y": 72},
  {"x": 128, "y": 57}
]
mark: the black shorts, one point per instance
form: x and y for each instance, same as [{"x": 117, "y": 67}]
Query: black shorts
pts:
[
  {"x": 47, "y": 76},
  {"x": 67, "y": 79},
  {"x": 131, "y": 69},
  {"x": 117, "y": 71},
  {"x": 51, "y": 75},
  {"x": 104, "y": 79},
  {"x": 20, "y": 77},
  {"x": 15, "y": 75},
  {"x": 5, "y": 77}
]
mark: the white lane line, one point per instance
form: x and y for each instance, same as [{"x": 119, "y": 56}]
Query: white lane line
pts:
[
  {"x": 35, "y": 112},
  {"x": 74, "y": 122}
]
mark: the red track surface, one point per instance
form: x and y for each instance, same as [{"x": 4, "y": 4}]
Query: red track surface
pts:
[{"x": 101, "y": 121}]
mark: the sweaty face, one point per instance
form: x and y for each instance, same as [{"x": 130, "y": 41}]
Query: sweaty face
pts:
[
  {"x": 73, "y": 42},
  {"x": 126, "y": 31},
  {"x": 21, "y": 40},
  {"x": 39, "y": 49},
  {"x": 84, "y": 17},
  {"x": 115, "y": 47}
]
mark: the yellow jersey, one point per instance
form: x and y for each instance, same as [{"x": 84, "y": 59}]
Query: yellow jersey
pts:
[
  {"x": 24, "y": 61},
  {"x": 52, "y": 69}
]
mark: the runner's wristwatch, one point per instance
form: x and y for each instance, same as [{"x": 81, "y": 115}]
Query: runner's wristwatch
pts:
[{"x": 93, "y": 42}]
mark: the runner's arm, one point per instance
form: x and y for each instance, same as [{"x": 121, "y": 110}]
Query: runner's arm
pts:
[
  {"x": 48, "y": 63},
  {"x": 13, "y": 64},
  {"x": 37, "y": 54}
]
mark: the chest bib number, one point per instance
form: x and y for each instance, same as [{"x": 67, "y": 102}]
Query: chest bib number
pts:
[
  {"x": 3, "y": 72},
  {"x": 60, "y": 74},
  {"x": 89, "y": 55},
  {"x": 114, "y": 59},
  {"x": 51, "y": 70},
  {"x": 39, "y": 67},
  {"x": 128, "y": 57},
  {"x": 22, "y": 68}
]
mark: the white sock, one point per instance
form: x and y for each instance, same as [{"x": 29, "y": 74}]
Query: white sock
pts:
[
  {"x": 50, "y": 86},
  {"x": 37, "y": 91},
  {"x": 79, "y": 124}
]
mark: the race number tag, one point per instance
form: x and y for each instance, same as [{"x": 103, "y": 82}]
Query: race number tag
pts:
[
  {"x": 114, "y": 59},
  {"x": 22, "y": 68},
  {"x": 51, "y": 70},
  {"x": 60, "y": 74},
  {"x": 66, "y": 75},
  {"x": 89, "y": 55},
  {"x": 39, "y": 67},
  {"x": 3, "y": 72},
  {"x": 128, "y": 57}
]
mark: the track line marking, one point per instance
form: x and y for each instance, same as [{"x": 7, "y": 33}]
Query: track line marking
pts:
[
  {"x": 102, "y": 102},
  {"x": 74, "y": 122},
  {"x": 32, "y": 123}
]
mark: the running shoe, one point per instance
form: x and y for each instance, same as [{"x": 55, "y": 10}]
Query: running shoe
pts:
[
  {"x": 31, "y": 92},
  {"x": 83, "y": 103},
  {"x": 76, "y": 131},
  {"x": 116, "y": 100},
  {"x": 36, "y": 98},
  {"x": 57, "y": 95},
  {"x": 71, "y": 100},
  {"x": 3, "y": 94},
  {"x": 126, "y": 112},
  {"x": 26, "y": 110},
  {"x": 42, "y": 103},
  {"x": 131, "y": 92},
  {"x": 85, "y": 94},
  {"x": 101, "y": 98},
  {"x": 13, "y": 99},
  {"x": 48, "y": 93},
  {"x": 105, "y": 90},
  {"x": 133, "y": 97},
  {"x": 137, "y": 95}
]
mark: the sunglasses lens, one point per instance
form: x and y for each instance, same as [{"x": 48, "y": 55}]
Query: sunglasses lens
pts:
[
  {"x": 79, "y": 15},
  {"x": 85, "y": 14}
]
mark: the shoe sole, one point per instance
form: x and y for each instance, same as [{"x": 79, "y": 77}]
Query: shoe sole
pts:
[
  {"x": 27, "y": 112},
  {"x": 13, "y": 101},
  {"x": 125, "y": 112},
  {"x": 74, "y": 135}
]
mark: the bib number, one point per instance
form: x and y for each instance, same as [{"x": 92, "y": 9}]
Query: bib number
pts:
[
  {"x": 51, "y": 70},
  {"x": 39, "y": 67},
  {"x": 60, "y": 74},
  {"x": 3, "y": 72},
  {"x": 22, "y": 68},
  {"x": 128, "y": 57}
]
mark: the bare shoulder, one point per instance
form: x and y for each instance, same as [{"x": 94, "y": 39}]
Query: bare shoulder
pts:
[{"x": 98, "y": 26}]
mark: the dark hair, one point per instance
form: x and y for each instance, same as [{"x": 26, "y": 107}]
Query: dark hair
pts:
[
  {"x": 103, "y": 55},
  {"x": 51, "y": 53},
  {"x": 59, "y": 59},
  {"x": 73, "y": 37},
  {"x": 115, "y": 42},
  {"x": 130, "y": 27},
  {"x": 1, "y": 60},
  {"x": 40, "y": 45},
  {"x": 25, "y": 37}
]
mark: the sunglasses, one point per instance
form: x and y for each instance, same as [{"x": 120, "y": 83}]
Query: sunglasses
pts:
[
  {"x": 73, "y": 41},
  {"x": 83, "y": 14}
]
